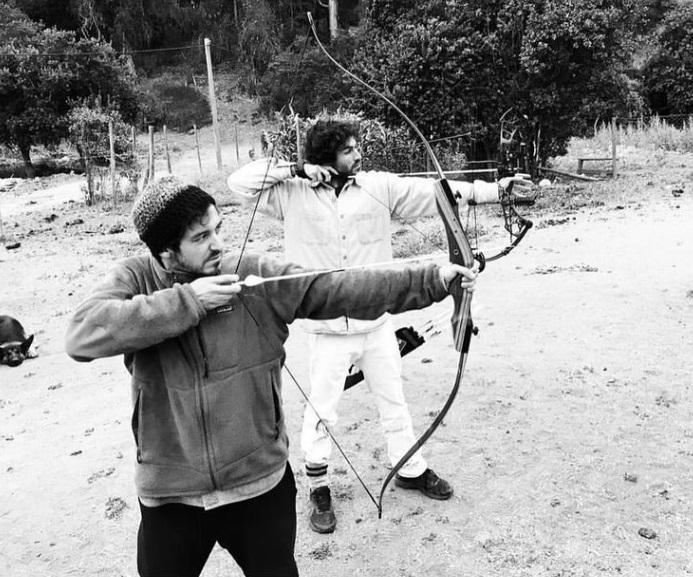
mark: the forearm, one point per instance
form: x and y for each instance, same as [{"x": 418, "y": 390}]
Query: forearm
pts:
[
  {"x": 110, "y": 323},
  {"x": 367, "y": 294},
  {"x": 415, "y": 197},
  {"x": 268, "y": 179},
  {"x": 478, "y": 192},
  {"x": 255, "y": 177}
]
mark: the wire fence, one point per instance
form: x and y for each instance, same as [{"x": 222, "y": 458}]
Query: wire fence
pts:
[
  {"x": 624, "y": 145},
  {"x": 615, "y": 144}
]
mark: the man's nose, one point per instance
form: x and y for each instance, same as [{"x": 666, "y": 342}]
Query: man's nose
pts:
[{"x": 215, "y": 241}]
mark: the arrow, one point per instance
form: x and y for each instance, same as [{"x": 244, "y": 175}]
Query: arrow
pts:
[{"x": 253, "y": 280}]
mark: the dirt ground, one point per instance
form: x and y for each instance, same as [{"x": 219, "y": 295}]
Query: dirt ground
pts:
[{"x": 570, "y": 444}]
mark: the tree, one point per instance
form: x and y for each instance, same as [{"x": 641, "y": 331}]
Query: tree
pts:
[
  {"x": 62, "y": 15},
  {"x": 90, "y": 130},
  {"x": 140, "y": 25},
  {"x": 455, "y": 67},
  {"x": 257, "y": 40},
  {"x": 575, "y": 67},
  {"x": 44, "y": 72},
  {"x": 306, "y": 80},
  {"x": 668, "y": 74}
]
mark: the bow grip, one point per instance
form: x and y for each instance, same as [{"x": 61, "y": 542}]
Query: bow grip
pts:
[{"x": 460, "y": 252}]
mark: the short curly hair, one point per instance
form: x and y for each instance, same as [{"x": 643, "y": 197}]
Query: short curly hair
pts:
[{"x": 326, "y": 137}]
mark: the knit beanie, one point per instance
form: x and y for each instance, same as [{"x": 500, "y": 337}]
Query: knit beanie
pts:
[{"x": 165, "y": 208}]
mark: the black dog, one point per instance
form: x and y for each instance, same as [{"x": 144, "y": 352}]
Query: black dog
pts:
[{"x": 14, "y": 344}]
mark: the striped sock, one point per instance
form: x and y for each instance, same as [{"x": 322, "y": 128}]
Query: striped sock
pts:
[{"x": 317, "y": 476}]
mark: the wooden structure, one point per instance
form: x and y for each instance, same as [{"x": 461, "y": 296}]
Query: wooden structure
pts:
[{"x": 613, "y": 158}]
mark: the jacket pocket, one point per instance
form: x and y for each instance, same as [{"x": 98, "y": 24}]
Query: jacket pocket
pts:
[
  {"x": 135, "y": 424},
  {"x": 277, "y": 405}
]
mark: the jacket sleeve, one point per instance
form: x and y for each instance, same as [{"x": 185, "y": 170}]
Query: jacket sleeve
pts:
[
  {"x": 267, "y": 177},
  {"x": 413, "y": 197},
  {"x": 361, "y": 294},
  {"x": 117, "y": 319}
]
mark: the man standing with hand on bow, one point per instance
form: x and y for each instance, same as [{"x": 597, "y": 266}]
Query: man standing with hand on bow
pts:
[
  {"x": 206, "y": 354},
  {"x": 337, "y": 216}
]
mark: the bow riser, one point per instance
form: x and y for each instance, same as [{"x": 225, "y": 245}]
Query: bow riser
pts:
[{"x": 460, "y": 252}]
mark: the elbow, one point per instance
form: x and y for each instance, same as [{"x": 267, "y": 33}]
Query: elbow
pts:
[
  {"x": 235, "y": 186},
  {"x": 80, "y": 358},
  {"x": 76, "y": 347},
  {"x": 76, "y": 352}
]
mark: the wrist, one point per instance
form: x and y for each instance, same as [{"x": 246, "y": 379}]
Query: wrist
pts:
[
  {"x": 297, "y": 169},
  {"x": 443, "y": 280}
]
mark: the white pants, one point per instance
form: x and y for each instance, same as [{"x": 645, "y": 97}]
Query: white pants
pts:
[{"x": 377, "y": 354}]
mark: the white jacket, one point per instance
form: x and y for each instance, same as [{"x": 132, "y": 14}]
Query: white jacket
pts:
[{"x": 322, "y": 230}]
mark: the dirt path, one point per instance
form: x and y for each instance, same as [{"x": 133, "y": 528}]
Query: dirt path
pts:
[{"x": 570, "y": 443}]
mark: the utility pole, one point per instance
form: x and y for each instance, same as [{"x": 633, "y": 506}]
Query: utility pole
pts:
[
  {"x": 213, "y": 100},
  {"x": 333, "y": 18}
]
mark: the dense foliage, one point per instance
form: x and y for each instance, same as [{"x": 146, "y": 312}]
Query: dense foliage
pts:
[
  {"x": 304, "y": 78},
  {"x": 457, "y": 66},
  {"x": 45, "y": 72},
  {"x": 669, "y": 71},
  {"x": 382, "y": 147},
  {"x": 89, "y": 127},
  {"x": 177, "y": 105},
  {"x": 245, "y": 31}
]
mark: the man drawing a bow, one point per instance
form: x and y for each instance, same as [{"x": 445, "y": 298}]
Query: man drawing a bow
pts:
[{"x": 335, "y": 215}]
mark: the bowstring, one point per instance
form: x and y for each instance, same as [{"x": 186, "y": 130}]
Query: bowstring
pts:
[
  {"x": 321, "y": 421},
  {"x": 440, "y": 172},
  {"x": 272, "y": 157},
  {"x": 263, "y": 188}
]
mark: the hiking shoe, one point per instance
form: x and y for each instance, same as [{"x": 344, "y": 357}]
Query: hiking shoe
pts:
[
  {"x": 428, "y": 483},
  {"x": 322, "y": 519}
]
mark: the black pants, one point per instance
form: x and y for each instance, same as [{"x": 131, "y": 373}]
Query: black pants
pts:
[{"x": 260, "y": 534}]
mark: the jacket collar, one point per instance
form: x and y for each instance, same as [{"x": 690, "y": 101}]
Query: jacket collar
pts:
[{"x": 170, "y": 277}]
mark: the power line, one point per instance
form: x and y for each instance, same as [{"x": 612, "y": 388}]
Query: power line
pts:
[{"x": 179, "y": 48}]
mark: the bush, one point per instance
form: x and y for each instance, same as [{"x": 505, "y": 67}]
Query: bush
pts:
[
  {"x": 89, "y": 132},
  {"x": 308, "y": 81},
  {"x": 383, "y": 148},
  {"x": 177, "y": 105},
  {"x": 668, "y": 74}
]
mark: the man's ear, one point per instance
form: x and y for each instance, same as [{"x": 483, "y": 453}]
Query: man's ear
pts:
[{"x": 167, "y": 258}]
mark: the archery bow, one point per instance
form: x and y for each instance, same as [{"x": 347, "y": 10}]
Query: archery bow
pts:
[
  {"x": 509, "y": 165},
  {"x": 460, "y": 252}
]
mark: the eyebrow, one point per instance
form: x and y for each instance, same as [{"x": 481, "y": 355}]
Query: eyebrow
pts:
[{"x": 206, "y": 230}]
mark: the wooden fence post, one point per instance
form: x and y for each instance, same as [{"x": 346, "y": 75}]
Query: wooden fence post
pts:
[
  {"x": 2, "y": 232},
  {"x": 213, "y": 100},
  {"x": 151, "y": 152},
  {"x": 111, "y": 138},
  {"x": 614, "y": 158},
  {"x": 197, "y": 147},
  {"x": 298, "y": 139},
  {"x": 168, "y": 156}
]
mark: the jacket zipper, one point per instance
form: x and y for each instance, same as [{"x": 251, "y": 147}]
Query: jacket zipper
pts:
[{"x": 200, "y": 397}]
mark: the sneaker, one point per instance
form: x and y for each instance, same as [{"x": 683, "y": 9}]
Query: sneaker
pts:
[
  {"x": 428, "y": 483},
  {"x": 322, "y": 518}
]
